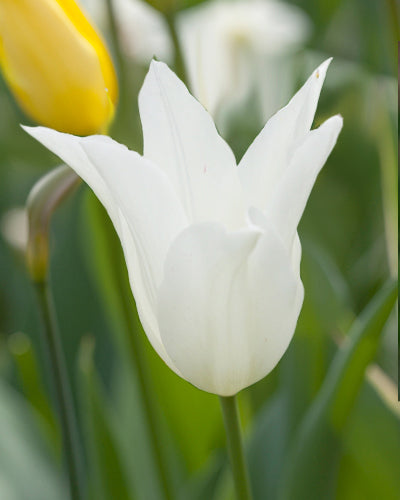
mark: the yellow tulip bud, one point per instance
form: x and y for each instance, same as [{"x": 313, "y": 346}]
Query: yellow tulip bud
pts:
[{"x": 57, "y": 65}]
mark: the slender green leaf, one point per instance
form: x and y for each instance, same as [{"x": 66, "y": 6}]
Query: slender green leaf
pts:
[
  {"x": 26, "y": 469},
  {"x": 312, "y": 463},
  {"x": 27, "y": 365},
  {"x": 370, "y": 463},
  {"x": 267, "y": 445},
  {"x": 107, "y": 471}
]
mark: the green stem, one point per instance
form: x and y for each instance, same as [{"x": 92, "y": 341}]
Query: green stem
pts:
[
  {"x": 123, "y": 115},
  {"x": 235, "y": 447},
  {"x": 116, "y": 46},
  {"x": 394, "y": 16},
  {"x": 62, "y": 390},
  {"x": 179, "y": 62}
]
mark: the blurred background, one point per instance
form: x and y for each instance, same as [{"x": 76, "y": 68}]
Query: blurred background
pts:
[{"x": 244, "y": 60}]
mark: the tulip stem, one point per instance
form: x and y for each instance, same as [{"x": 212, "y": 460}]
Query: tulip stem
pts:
[
  {"x": 44, "y": 198},
  {"x": 115, "y": 41},
  {"x": 235, "y": 447},
  {"x": 62, "y": 389},
  {"x": 180, "y": 66}
]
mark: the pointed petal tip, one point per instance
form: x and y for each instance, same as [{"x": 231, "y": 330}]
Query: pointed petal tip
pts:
[
  {"x": 32, "y": 131},
  {"x": 335, "y": 121},
  {"x": 40, "y": 131},
  {"x": 330, "y": 129},
  {"x": 156, "y": 65},
  {"x": 158, "y": 70},
  {"x": 153, "y": 63},
  {"x": 320, "y": 72},
  {"x": 28, "y": 128},
  {"x": 338, "y": 118}
]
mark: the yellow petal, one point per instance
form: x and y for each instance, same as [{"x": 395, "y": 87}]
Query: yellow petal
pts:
[{"x": 57, "y": 65}]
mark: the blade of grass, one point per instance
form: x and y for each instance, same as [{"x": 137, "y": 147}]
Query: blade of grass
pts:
[{"x": 312, "y": 462}]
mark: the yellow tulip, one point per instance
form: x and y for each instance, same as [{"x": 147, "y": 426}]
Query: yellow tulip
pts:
[{"x": 57, "y": 65}]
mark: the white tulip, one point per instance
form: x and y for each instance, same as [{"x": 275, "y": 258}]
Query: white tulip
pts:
[{"x": 211, "y": 247}]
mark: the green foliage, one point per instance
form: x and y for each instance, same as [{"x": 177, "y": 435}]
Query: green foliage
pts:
[
  {"x": 108, "y": 479},
  {"x": 27, "y": 470},
  {"x": 315, "y": 452}
]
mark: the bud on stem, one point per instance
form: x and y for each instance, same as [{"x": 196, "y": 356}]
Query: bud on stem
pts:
[{"x": 43, "y": 199}]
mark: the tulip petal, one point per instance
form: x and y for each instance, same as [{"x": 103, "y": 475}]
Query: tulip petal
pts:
[
  {"x": 228, "y": 306},
  {"x": 144, "y": 305},
  {"x": 75, "y": 92},
  {"x": 141, "y": 203},
  {"x": 288, "y": 201},
  {"x": 269, "y": 155},
  {"x": 181, "y": 138},
  {"x": 145, "y": 197},
  {"x": 261, "y": 221}
]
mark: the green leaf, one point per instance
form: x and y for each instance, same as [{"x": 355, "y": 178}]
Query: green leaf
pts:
[
  {"x": 267, "y": 445},
  {"x": 26, "y": 468},
  {"x": 370, "y": 463},
  {"x": 204, "y": 484},
  {"x": 325, "y": 311},
  {"x": 27, "y": 365},
  {"x": 107, "y": 474},
  {"x": 132, "y": 431},
  {"x": 312, "y": 463}
]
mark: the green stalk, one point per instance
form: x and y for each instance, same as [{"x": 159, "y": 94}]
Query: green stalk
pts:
[
  {"x": 116, "y": 46},
  {"x": 123, "y": 117},
  {"x": 179, "y": 62},
  {"x": 394, "y": 17},
  {"x": 45, "y": 196},
  {"x": 235, "y": 447},
  {"x": 62, "y": 390}
]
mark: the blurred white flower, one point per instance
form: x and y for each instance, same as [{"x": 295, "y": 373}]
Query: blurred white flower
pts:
[
  {"x": 235, "y": 47},
  {"x": 14, "y": 227},
  {"x": 141, "y": 28},
  {"x": 143, "y": 31},
  {"x": 211, "y": 247}
]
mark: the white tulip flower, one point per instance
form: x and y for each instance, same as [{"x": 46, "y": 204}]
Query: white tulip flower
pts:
[{"x": 211, "y": 246}]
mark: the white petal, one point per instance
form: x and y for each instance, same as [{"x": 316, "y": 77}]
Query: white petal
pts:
[
  {"x": 147, "y": 200},
  {"x": 181, "y": 138},
  {"x": 139, "y": 286},
  {"x": 228, "y": 306},
  {"x": 141, "y": 203},
  {"x": 290, "y": 196},
  {"x": 262, "y": 221},
  {"x": 270, "y": 154}
]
